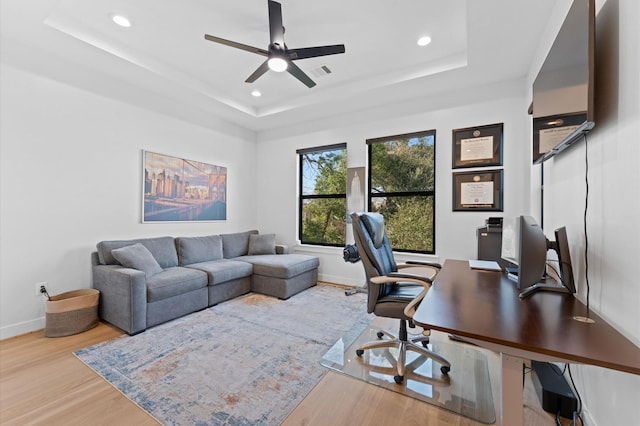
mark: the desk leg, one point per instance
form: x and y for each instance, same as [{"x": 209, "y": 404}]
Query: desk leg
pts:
[{"x": 511, "y": 403}]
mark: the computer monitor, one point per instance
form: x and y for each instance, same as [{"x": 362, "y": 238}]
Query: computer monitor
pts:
[
  {"x": 561, "y": 246},
  {"x": 525, "y": 245}
]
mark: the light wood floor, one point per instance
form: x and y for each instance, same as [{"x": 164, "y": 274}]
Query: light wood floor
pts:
[{"x": 42, "y": 382}]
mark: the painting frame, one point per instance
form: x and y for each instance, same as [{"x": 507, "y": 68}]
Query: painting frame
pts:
[
  {"x": 478, "y": 146},
  {"x": 175, "y": 189},
  {"x": 480, "y": 190}
]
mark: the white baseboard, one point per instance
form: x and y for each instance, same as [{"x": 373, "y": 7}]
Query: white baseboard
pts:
[
  {"x": 340, "y": 280},
  {"x": 22, "y": 328}
]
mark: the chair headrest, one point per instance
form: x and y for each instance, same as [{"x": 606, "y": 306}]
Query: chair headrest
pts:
[{"x": 374, "y": 222}]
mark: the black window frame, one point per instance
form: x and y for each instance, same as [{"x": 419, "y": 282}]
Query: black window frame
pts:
[
  {"x": 426, "y": 193},
  {"x": 302, "y": 197}
]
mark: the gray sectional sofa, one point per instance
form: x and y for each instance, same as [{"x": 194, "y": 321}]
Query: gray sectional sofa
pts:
[{"x": 148, "y": 281}]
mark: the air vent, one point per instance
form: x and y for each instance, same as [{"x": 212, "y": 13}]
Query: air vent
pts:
[{"x": 320, "y": 71}]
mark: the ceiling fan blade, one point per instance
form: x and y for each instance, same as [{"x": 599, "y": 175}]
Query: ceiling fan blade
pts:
[
  {"x": 276, "y": 30},
  {"x": 236, "y": 45},
  {"x": 259, "y": 72},
  {"x": 300, "y": 75},
  {"x": 312, "y": 52}
]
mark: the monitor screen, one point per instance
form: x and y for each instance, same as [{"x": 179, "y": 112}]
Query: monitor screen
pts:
[
  {"x": 510, "y": 240},
  {"x": 561, "y": 246},
  {"x": 532, "y": 257},
  {"x": 525, "y": 245}
]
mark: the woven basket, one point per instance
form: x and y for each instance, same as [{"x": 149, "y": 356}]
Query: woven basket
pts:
[{"x": 71, "y": 313}]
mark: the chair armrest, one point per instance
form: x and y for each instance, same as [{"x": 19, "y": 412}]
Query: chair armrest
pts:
[
  {"x": 417, "y": 262},
  {"x": 410, "y": 309},
  {"x": 405, "y": 275},
  {"x": 389, "y": 279},
  {"x": 123, "y": 296}
]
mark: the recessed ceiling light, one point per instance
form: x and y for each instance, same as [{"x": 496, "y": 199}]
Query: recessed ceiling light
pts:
[
  {"x": 423, "y": 41},
  {"x": 256, "y": 93},
  {"x": 121, "y": 20}
]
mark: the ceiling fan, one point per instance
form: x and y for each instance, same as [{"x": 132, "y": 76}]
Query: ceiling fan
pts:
[{"x": 279, "y": 57}]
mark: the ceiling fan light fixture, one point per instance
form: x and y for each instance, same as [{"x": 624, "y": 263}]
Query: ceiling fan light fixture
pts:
[
  {"x": 121, "y": 20},
  {"x": 424, "y": 40},
  {"x": 277, "y": 64}
]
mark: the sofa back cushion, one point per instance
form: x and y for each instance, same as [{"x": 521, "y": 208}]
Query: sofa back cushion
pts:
[
  {"x": 198, "y": 249},
  {"x": 163, "y": 250},
  {"x": 237, "y": 244}
]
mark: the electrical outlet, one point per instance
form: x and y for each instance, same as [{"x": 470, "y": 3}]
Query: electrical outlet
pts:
[{"x": 38, "y": 288}]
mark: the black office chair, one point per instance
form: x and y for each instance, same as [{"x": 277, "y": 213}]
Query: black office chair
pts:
[{"x": 394, "y": 290}]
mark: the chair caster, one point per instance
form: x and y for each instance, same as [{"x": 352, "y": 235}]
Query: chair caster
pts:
[
  {"x": 359, "y": 352},
  {"x": 445, "y": 370},
  {"x": 425, "y": 343},
  {"x": 380, "y": 334},
  {"x": 398, "y": 379}
]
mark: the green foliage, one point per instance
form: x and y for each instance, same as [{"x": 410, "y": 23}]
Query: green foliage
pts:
[
  {"x": 324, "y": 218},
  {"x": 323, "y": 221},
  {"x": 403, "y": 182},
  {"x": 408, "y": 221},
  {"x": 403, "y": 185},
  {"x": 402, "y": 165}
]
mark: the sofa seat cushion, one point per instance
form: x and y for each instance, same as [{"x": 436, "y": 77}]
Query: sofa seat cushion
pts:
[
  {"x": 281, "y": 265},
  {"x": 223, "y": 270},
  {"x": 173, "y": 282}
]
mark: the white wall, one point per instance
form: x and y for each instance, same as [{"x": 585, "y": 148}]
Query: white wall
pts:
[
  {"x": 455, "y": 231},
  {"x": 71, "y": 177},
  {"x": 613, "y": 228}
]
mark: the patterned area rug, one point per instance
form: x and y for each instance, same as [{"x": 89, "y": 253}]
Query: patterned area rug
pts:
[{"x": 247, "y": 361}]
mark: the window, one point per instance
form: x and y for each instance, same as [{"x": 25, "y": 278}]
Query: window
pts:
[
  {"x": 402, "y": 188},
  {"x": 323, "y": 199}
]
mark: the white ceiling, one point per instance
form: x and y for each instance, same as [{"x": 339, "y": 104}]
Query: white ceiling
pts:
[{"x": 163, "y": 58}]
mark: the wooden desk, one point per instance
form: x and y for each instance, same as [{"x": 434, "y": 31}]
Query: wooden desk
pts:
[{"x": 484, "y": 307}]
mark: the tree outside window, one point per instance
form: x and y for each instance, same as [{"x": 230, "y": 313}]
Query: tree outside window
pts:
[
  {"x": 402, "y": 188},
  {"x": 323, "y": 199}
]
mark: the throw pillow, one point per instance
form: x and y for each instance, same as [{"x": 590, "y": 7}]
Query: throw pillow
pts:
[
  {"x": 262, "y": 244},
  {"x": 137, "y": 257}
]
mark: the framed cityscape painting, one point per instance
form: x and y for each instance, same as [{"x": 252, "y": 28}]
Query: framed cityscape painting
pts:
[{"x": 180, "y": 190}]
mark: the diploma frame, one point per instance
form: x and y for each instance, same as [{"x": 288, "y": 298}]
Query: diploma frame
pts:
[
  {"x": 478, "y": 146},
  {"x": 465, "y": 200}
]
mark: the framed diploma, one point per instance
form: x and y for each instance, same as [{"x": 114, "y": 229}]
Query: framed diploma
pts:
[
  {"x": 479, "y": 191},
  {"x": 477, "y": 146}
]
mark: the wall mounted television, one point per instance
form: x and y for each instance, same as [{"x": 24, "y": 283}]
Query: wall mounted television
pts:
[{"x": 563, "y": 89}]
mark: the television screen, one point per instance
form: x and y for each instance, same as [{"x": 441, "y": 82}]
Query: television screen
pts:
[{"x": 563, "y": 89}]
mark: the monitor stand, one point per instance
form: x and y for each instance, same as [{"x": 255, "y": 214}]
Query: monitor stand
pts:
[{"x": 556, "y": 288}]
